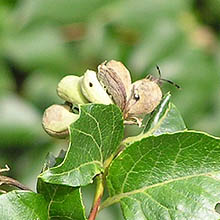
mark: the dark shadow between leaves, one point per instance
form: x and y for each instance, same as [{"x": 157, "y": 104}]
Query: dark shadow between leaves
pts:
[{"x": 217, "y": 208}]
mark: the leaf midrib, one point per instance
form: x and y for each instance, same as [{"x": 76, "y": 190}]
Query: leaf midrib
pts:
[{"x": 114, "y": 199}]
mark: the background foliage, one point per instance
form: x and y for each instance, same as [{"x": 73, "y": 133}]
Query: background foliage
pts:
[{"x": 41, "y": 41}]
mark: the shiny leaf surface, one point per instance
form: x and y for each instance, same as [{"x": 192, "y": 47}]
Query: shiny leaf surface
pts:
[
  {"x": 65, "y": 202},
  {"x": 165, "y": 119},
  {"x": 171, "y": 176},
  {"x": 95, "y": 137},
  {"x": 23, "y": 205}
]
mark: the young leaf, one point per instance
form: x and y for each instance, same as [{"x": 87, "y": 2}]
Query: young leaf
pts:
[
  {"x": 95, "y": 137},
  {"x": 23, "y": 205},
  {"x": 171, "y": 176},
  {"x": 165, "y": 119}
]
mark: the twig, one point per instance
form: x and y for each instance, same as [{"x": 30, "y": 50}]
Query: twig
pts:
[
  {"x": 10, "y": 181},
  {"x": 2, "y": 191},
  {"x": 95, "y": 209},
  {"x": 97, "y": 198},
  {"x": 6, "y": 169}
]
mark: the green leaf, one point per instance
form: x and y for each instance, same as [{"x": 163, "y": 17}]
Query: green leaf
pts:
[
  {"x": 95, "y": 137},
  {"x": 65, "y": 202},
  {"x": 52, "y": 161},
  {"x": 23, "y": 205},
  {"x": 171, "y": 176},
  {"x": 165, "y": 119}
]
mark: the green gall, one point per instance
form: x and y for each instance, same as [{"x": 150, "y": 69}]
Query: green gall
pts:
[
  {"x": 93, "y": 90},
  {"x": 69, "y": 90}
]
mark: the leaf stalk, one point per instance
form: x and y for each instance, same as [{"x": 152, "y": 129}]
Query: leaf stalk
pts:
[{"x": 98, "y": 196}]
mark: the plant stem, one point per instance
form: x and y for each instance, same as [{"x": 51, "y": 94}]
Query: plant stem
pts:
[
  {"x": 10, "y": 181},
  {"x": 98, "y": 196}
]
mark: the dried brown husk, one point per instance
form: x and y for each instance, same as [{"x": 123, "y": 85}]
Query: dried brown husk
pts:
[
  {"x": 116, "y": 79},
  {"x": 57, "y": 119},
  {"x": 145, "y": 96}
]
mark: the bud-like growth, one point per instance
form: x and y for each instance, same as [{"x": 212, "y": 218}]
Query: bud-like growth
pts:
[
  {"x": 93, "y": 90},
  {"x": 69, "y": 90},
  {"x": 145, "y": 96},
  {"x": 57, "y": 119},
  {"x": 115, "y": 77}
]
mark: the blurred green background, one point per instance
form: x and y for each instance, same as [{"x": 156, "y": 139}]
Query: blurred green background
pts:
[{"x": 43, "y": 40}]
